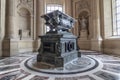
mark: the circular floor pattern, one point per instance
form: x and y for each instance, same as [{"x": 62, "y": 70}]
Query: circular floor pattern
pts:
[
  {"x": 79, "y": 65},
  {"x": 108, "y": 68}
]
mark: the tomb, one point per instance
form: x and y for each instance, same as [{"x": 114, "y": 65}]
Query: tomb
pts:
[{"x": 58, "y": 45}]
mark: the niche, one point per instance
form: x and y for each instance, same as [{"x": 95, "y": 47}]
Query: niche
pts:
[
  {"x": 24, "y": 23},
  {"x": 83, "y": 24}
]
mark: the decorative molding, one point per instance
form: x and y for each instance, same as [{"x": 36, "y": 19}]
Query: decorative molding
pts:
[
  {"x": 0, "y": 19},
  {"x": 23, "y": 12},
  {"x": 27, "y": 3},
  {"x": 82, "y": 5}
]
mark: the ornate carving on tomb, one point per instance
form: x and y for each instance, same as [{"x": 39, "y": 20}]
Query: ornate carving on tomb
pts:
[{"x": 58, "y": 45}]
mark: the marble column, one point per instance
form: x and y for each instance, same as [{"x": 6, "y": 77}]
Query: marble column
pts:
[
  {"x": 40, "y": 27},
  {"x": 10, "y": 45},
  {"x": 10, "y": 15},
  {"x": 2, "y": 24},
  {"x": 0, "y": 31},
  {"x": 68, "y": 7},
  {"x": 35, "y": 45},
  {"x": 0, "y": 19},
  {"x": 96, "y": 41}
]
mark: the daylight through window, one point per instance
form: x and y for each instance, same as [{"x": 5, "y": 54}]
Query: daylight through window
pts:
[
  {"x": 116, "y": 17},
  {"x": 52, "y": 7}
]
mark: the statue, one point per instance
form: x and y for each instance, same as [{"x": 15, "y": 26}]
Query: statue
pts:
[{"x": 83, "y": 24}]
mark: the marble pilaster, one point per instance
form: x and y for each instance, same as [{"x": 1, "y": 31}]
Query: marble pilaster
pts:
[
  {"x": 10, "y": 16},
  {"x": 96, "y": 41},
  {"x": 40, "y": 29},
  {"x": 0, "y": 31},
  {"x": 10, "y": 45}
]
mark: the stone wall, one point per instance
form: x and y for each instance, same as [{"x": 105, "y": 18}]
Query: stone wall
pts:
[
  {"x": 2, "y": 23},
  {"x": 111, "y": 46},
  {"x": 20, "y": 24},
  {"x": 25, "y": 15},
  {"x": 25, "y": 46},
  {"x": 87, "y": 28},
  {"x": 0, "y": 31}
]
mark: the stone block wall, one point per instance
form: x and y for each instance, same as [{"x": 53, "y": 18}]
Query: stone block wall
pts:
[{"x": 111, "y": 46}]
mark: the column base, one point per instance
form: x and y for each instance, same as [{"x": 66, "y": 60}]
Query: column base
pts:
[
  {"x": 9, "y": 47},
  {"x": 96, "y": 44}
]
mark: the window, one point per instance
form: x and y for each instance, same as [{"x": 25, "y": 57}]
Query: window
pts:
[
  {"x": 52, "y": 7},
  {"x": 116, "y": 17}
]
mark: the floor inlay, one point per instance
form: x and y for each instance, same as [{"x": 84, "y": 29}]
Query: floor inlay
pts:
[
  {"x": 107, "y": 76},
  {"x": 78, "y": 65},
  {"x": 88, "y": 67}
]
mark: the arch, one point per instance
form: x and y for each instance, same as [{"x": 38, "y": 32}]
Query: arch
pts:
[
  {"x": 83, "y": 20},
  {"x": 24, "y": 12},
  {"x": 24, "y": 7}
]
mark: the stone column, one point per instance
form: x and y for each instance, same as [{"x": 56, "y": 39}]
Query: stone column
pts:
[
  {"x": 0, "y": 31},
  {"x": 35, "y": 45},
  {"x": 68, "y": 7},
  {"x": 2, "y": 25},
  {"x": 0, "y": 19},
  {"x": 10, "y": 45},
  {"x": 34, "y": 24},
  {"x": 10, "y": 13},
  {"x": 96, "y": 41},
  {"x": 40, "y": 27}
]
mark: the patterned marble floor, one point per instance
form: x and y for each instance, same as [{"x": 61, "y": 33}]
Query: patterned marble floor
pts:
[{"x": 12, "y": 69}]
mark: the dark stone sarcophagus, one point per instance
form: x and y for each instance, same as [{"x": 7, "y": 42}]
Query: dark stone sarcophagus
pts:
[
  {"x": 58, "y": 21},
  {"x": 58, "y": 46}
]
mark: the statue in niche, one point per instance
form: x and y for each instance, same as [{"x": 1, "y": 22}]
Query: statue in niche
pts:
[{"x": 83, "y": 24}]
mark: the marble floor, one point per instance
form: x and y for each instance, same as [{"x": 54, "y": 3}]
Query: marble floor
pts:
[{"x": 13, "y": 68}]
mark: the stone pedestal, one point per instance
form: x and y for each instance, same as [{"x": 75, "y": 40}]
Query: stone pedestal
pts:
[
  {"x": 57, "y": 48},
  {"x": 9, "y": 47},
  {"x": 84, "y": 41},
  {"x": 83, "y": 35}
]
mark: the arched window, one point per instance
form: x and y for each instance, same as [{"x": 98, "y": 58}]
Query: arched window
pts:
[
  {"x": 116, "y": 17},
  {"x": 52, "y": 7}
]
